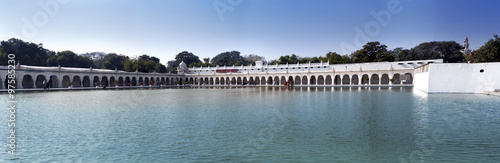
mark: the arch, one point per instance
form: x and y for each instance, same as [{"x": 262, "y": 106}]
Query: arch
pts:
[
  {"x": 95, "y": 81},
  {"x": 283, "y": 80},
  {"x": 328, "y": 80},
  {"x": 206, "y": 80},
  {"x": 146, "y": 81},
  {"x": 384, "y": 79},
  {"x": 297, "y": 80},
  {"x": 263, "y": 80},
  {"x": 408, "y": 78},
  {"x": 65, "y": 81},
  {"x": 217, "y": 82},
  {"x": 245, "y": 81},
  {"x": 141, "y": 81},
  {"x": 238, "y": 80},
  {"x": 374, "y": 79},
  {"x": 27, "y": 81},
  {"x": 151, "y": 81},
  {"x": 257, "y": 80},
  {"x": 167, "y": 81},
  {"x": 86, "y": 81},
  {"x": 162, "y": 80},
  {"x": 251, "y": 81},
  {"x": 270, "y": 80},
  {"x": 276, "y": 80},
  {"x": 53, "y": 82},
  {"x": 304, "y": 80},
  {"x": 39, "y": 81},
  {"x": 337, "y": 80},
  {"x": 222, "y": 81},
  {"x": 112, "y": 81},
  {"x": 397, "y": 79},
  {"x": 77, "y": 82},
  {"x": 321, "y": 80},
  {"x": 312, "y": 80},
  {"x": 233, "y": 80},
  {"x": 127, "y": 81},
  {"x": 13, "y": 82},
  {"x": 104, "y": 81},
  {"x": 355, "y": 79},
  {"x": 346, "y": 80},
  {"x": 365, "y": 79},
  {"x": 134, "y": 81},
  {"x": 120, "y": 81}
]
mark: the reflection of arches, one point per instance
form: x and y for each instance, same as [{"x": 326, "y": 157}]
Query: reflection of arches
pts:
[
  {"x": 346, "y": 80},
  {"x": 396, "y": 78},
  {"x": 65, "y": 81},
  {"x": 355, "y": 79},
  {"x": 374, "y": 79},
  {"x": 321, "y": 80},
  {"x": 76, "y": 81},
  {"x": 39, "y": 81},
  {"x": 27, "y": 81},
  {"x": 86, "y": 81},
  {"x": 304, "y": 80},
  {"x": 384, "y": 79},
  {"x": 365, "y": 79},
  {"x": 337, "y": 80},
  {"x": 312, "y": 80}
]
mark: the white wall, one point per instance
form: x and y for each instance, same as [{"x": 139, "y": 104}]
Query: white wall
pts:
[
  {"x": 460, "y": 78},
  {"x": 421, "y": 81}
]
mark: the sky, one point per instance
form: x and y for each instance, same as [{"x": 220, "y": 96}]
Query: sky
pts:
[{"x": 269, "y": 28}]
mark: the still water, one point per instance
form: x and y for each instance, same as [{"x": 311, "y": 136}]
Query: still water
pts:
[{"x": 253, "y": 125}]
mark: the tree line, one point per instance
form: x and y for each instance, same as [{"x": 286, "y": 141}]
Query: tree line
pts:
[{"x": 449, "y": 51}]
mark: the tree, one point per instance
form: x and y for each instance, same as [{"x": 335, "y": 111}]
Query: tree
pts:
[
  {"x": 27, "y": 53},
  {"x": 489, "y": 52},
  {"x": 252, "y": 58},
  {"x": 187, "y": 57},
  {"x": 113, "y": 61},
  {"x": 449, "y": 51},
  {"x": 228, "y": 59},
  {"x": 69, "y": 59},
  {"x": 372, "y": 52}
]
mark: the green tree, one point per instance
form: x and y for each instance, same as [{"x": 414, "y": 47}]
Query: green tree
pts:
[
  {"x": 228, "y": 59},
  {"x": 449, "y": 51},
  {"x": 489, "y": 52},
  {"x": 372, "y": 52},
  {"x": 27, "y": 53}
]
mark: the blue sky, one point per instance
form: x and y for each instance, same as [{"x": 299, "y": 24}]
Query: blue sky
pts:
[{"x": 270, "y": 28}]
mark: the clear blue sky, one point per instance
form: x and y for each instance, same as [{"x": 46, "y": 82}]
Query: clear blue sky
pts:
[{"x": 270, "y": 28}]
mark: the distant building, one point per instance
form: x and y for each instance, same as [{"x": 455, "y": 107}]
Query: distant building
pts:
[{"x": 466, "y": 49}]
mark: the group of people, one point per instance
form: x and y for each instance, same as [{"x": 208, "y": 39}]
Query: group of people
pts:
[{"x": 46, "y": 85}]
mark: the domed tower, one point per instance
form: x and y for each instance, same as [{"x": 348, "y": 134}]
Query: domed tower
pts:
[{"x": 182, "y": 69}]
